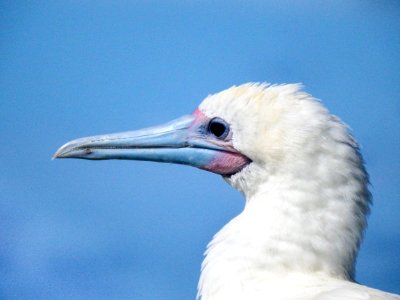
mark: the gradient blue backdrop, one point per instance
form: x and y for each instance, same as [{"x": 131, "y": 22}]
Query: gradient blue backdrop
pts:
[{"x": 76, "y": 229}]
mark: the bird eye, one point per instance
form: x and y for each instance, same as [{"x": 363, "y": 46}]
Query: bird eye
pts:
[{"x": 219, "y": 128}]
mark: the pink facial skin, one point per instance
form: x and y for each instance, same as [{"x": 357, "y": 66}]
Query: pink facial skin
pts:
[
  {"x": 200, "y": 118},
  {"x": 228, "y": 160},
  {"x": 227, "y": 163}
]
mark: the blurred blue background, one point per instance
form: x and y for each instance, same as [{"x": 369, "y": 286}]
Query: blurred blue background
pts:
[{"x": 76, "y": 229}]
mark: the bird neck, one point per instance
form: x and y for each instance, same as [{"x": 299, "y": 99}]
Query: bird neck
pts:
[{"x": 288, "y": 227}]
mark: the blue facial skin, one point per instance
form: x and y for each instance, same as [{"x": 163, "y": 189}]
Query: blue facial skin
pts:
[{"x": 181, "y": 141}]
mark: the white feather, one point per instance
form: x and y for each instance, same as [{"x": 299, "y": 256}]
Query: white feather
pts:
[{"x": 306, "y": 201}]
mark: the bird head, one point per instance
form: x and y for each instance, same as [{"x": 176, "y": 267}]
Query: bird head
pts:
[{"x": 247, "y": 134}]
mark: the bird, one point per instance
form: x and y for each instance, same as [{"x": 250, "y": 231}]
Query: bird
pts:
[{"x": 303, "y": 178}]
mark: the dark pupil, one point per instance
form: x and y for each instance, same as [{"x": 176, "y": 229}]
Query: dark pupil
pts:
[{"x": 217, "y": 129}]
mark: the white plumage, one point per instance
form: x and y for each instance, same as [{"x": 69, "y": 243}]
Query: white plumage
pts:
[{"x": 306, "y": 201}]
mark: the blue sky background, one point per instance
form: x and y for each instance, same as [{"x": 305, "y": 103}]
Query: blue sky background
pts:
[{"x": 76, "y": 229}]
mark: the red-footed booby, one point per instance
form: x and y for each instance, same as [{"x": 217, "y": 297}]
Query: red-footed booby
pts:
[{"x": 303, "y": 178}]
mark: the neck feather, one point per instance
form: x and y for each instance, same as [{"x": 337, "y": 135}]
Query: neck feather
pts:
[{"x": 289, "y": 226}]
